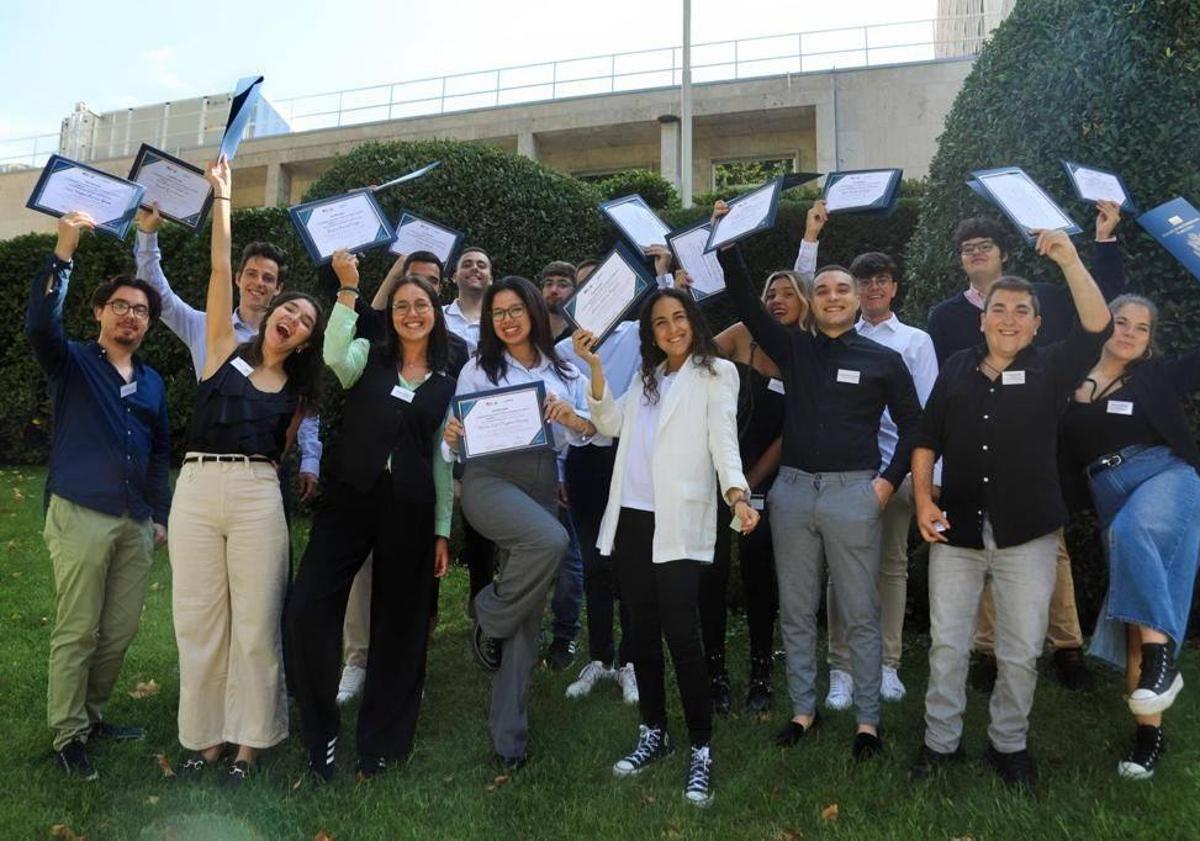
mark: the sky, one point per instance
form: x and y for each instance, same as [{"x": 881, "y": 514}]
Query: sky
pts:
[{"x": 113, "y": 56}]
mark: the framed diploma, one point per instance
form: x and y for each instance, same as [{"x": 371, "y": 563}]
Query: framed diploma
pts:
[
  {"x": 863, "y": 191},
  {"x": 1176, "y": 226},
  {"x": 1094, "y": 185},
  {"x": 65, "y": 186},
  {"x": 416, "y": 234},
  {"x": 179, "y": 187},
  {"x": 636, "y": 221},
  {"x": 748, "y": 214},
  {"x": 241, "y": 109},
  {"x": 1027, "y": 205},
  {"x": 503, "y": 420},
  {"x": 353, "y": 221},
  {"x": 614, "y": 288},
  {"x": 688, "y": 244}
]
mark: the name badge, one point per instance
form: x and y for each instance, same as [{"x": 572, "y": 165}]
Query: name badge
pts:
[
  {"x": 402, "y": 393},
  {"x": 244, "y": 367},
  {"x": 1012, "y": 378},
  {"x": 758, "y": 502},
  {"x": 776, "y": 386},
  {"x": 847, "y": 376},
  {"x": 1120, "y": 407},
  {"x": 131, "y": 388}
]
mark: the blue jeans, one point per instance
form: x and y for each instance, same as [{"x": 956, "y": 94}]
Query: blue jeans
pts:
[
  {"x": 568, "y": 587},
  {"x": 1147, "y": 507}
]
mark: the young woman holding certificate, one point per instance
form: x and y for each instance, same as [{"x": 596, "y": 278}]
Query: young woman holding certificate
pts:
[
  {"x": 227, "y": 535},
  {"x": 511, "y": 497},
  {"x": 1126, "y": 431},
  {"x": 390, "y": 495},
  {"x": 678, "y": 436}
]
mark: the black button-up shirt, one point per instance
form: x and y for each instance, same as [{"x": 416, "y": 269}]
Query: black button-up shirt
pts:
[
  {"x": 998, "y": 439},
  {"x": 836, "y": 389}
]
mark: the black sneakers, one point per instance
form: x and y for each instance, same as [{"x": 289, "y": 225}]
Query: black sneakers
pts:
[
  {"x": 791, "y": 732},
  {"x": 1160, "y": 681},
  {"x": 1149, "y": 744},
  {"x": 371, "y": 766},
  {"x": 561, "y": 654},
  {"x": 487, "y": 650},
  {"x": 698, "y": 789},
  {"x": 653, "y": 744},
  {"x": 930, "y": 761},
  {"x": 1016, "y": 768},
  {"x": 866, "y": 745},
  {"x": 1071, "y": 670},
  {"x": 238, "y": 773},
  {"x": 758, "y": 694},
  {"x": 192, "y": 767},
  {"x": 73, "y": 759},
  {"x": 321, "y": 765},
  {"x": 105, "y": 730}
]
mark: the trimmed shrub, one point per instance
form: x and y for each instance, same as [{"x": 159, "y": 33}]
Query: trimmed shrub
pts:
[{"x": 658, "y": 192}]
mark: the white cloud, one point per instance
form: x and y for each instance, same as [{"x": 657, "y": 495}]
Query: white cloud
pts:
[{"x": 159, "y": 60}]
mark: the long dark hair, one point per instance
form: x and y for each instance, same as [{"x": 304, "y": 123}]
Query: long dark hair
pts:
[
  {"x": 437, "y": 351},
  {"x": 491, "y": 349},
  {"x": 303, "y": 367},
  {"x": 702, "y": 351}
]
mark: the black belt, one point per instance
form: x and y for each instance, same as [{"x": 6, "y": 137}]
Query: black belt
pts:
[
  {"x": 1113, "y": 459},
  {"x": 227, "y": 459}
]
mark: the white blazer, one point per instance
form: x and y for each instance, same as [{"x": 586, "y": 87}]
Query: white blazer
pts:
[{"x": 695, "y": 444}]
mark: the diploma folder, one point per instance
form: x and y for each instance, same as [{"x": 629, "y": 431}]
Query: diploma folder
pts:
[
  {"x": 642, "y": 282},
  {"x": 1176, "y": 226},
  {"x": 885, "y": 205},
  {"x": 301, "y": 213},
  {"x": 462, "y": 404},
  {"x": 981, "y": 178},
  {"x": 117, "y": 226},
  {"x": 148, "y": 156},
  {"x": 1071, "y": 167}
]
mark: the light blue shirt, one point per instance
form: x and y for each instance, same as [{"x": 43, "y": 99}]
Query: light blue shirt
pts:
[
  {"x": 621, "y": 355},
  {"x": 458, "y": 324}
]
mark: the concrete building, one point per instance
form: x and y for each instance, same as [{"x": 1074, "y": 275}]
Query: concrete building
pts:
[{"x": 964, "y": 24}]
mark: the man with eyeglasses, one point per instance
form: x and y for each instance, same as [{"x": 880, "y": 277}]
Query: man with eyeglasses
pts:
[
  {"x": 107, "y": 490},
  {"x": 954, "y": 325}
]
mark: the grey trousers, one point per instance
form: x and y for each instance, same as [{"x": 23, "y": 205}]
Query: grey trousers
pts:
[
  {"x": 1022, "y": 579},
  {"x": 511, "y": 501},
  {"x": 834, "y": 520}
]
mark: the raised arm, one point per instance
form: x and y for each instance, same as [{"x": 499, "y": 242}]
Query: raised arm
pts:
[
  {"x": 806, "y": 257},
  {"x": 43, "y": 317},
  {"x": 771, "y": 336},
  {"x": 1089, "y": 301},
  {"x": 606, "y": 413},
  {"x": 1109, "y": 269},
  {"x": 184, "y": 320},
  {"x": 220, "y": 340}
]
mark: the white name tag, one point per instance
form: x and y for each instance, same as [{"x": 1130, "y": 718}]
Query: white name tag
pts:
[
  {"x": 131, "y": 388},
  {"x": 1012, "y": 378},
  {"x": 847, "y": 376},
  {"x": 776, "y": 386},
  {"x": 758, "y": 502},
  {"x": 402, "y": 393},
  {"x": 1120, "y": 407},
  {"x": 243, "y": 366}
]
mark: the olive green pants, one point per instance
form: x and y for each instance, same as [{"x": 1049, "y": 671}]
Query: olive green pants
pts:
[{"x": 101, "y": 565}]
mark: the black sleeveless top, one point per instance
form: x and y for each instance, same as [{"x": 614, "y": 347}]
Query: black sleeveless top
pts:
[
  {"x": 379, "y": 423},
  {"x": 1092, "y": 430},
  {"x": 759, "y": 416},
  {"x": 231, "y": 416}
]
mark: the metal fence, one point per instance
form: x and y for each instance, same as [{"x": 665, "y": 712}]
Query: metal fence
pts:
[{"x": 746, "y": 58}]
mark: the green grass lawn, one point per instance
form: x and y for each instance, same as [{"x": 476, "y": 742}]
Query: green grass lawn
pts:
[{"x": 449, "y": 789}]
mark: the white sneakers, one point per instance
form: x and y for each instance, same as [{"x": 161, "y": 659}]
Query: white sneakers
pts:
[
  {"x": 891, "y": 688},
  {"x": 841, "y": 690},
  {"x": 351, "y": 685},
  {"x": 596, "y": 671}
]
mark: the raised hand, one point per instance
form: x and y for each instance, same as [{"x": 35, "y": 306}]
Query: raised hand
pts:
[
  {"x": 1108, "y": 216},
  {"x": 70, "y": 228},
  {"x": 815, "y": 221},
  {"x": 148, "y": 220},
  {"x": 719, "y": 210},
  {"x": 585, "y": 344},
  {"x": 345, "y": 266},
  {"x": 1057, "y": 246},
  {"x": 218, "y": 175},
  {"x": 683, "y": 280},
  {"x": 662, "y": 258}
]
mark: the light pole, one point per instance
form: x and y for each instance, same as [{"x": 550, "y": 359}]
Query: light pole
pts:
[{"x": 685, "y": 132}]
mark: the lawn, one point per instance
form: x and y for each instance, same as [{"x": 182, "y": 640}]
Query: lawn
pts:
[{"x": 449, "y": 789}]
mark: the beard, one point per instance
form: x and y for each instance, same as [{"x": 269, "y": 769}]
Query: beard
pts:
[{"x": 555, "y": 308}]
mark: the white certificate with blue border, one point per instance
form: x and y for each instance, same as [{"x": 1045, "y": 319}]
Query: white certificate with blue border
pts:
[
  {"x": 503, "y": 420},
  {"x": 66, "y": 186},
  {"x": 180, "y": 189},
  {"x": 416, "y": 234},
  {"x": 703, "y": 267},
  {"x": 353, "y": 222}
]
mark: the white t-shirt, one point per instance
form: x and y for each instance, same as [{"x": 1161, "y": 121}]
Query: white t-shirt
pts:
[{"x": 637, "y": 490}]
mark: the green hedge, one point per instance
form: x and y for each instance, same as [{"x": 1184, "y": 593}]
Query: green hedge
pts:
[{"x": 658, "y": 192}]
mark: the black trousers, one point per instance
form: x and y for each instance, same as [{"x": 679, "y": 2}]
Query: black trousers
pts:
[
  {"x": 756, "y": 560},
  {"x": 589, "y": 475},
  {"x": 347, "y": 526},
  {"x": 662, "y": 603}
]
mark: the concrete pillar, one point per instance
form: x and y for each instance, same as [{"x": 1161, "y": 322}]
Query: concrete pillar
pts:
[
  {"x": 826, "y": 130},
  {"x": 527, "y": 145},
  {"x": 278, "y": 191},
  {"x": 668, "y": 149}
]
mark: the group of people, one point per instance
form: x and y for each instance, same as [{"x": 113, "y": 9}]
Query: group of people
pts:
[{"x": 815, "y": 430}]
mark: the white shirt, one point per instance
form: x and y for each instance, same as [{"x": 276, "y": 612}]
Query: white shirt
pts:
[
  {"x": 458, "y": 324},
  {"x": 806, "y": 258},
  {"x": 637, "y": 491}
]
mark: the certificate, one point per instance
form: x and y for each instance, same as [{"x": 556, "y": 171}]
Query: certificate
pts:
[
  {"x": 1093, "y": 185},
  {"x": 353, "y": 221},
  {"x": 179, "y": 187},
  {"x": 503, "y": 420},
  {"x": 416, "y": 234},
  {"x": 1176, "y": 226},
  {"x": 708, "y": 278},
  {"x": 862, "y": 191},
  {"x": 1026, "y": 204},
  {"x": 748, "y": 214},
  {"x": 241, "y": 109},
  {"x": 609, "y": 292},
  {"x": 411, "y": 176},
  {"x": 66, "y": 186},
  {"x": 640, "y": 225}
]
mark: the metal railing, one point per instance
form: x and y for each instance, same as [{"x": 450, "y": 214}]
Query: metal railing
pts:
[{"x": 746, "y": 58}]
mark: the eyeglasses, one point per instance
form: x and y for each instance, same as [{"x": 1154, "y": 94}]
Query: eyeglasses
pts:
[
  {"x": 404, "y": 308},
  {"x": 880, "y": 280},
  {"x": 514, "y": 312},
  {"x": 971, "y": 249},
  {"x": 119, "y": 307}
]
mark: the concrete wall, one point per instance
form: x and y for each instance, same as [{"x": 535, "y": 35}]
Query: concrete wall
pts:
[{"x": 852, "y": 119}]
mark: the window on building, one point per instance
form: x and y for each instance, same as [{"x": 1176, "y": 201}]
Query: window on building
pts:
[{"x": 750, "y": 171}]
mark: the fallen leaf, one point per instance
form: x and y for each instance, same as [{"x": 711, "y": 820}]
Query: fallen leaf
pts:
[
  {"x": 647, "y": 799},
  {"x": 165, "y": 764},
  {"x": 788, "y": 835},
  {"x": 16, "y": 574},
  {"x": 45, "y": 620},
  {"x": 17, "y": 495},
  {"x": 11, "y": 545},
  {"x": 296, "y": 785},
  {"x": 152, "y": 800},
  {"x": 323, "y": 836},
  {"x": 144, "y": 689},
  {"x": 155, "y": 586},
  {"x": 830, "y": 813},
  {"x": 61, "y": 830}
]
